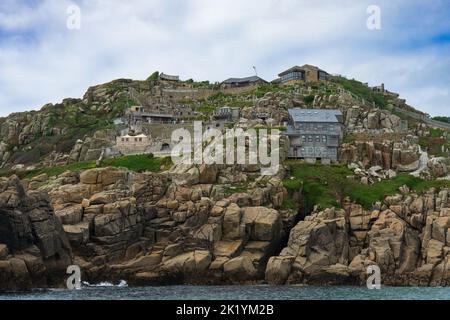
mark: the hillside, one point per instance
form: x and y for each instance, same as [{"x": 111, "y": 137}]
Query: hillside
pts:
[
  {"x": 139, "y": 217},
  {"x": 47, "y": 137}
]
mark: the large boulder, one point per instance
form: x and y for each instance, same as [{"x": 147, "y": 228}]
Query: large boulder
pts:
[
  {"x": 438, "y": 167},
  {"x": 208, "y": 174},
  {"x": 279, "y": 269},
  {"x": 265, "y": 224},
  {"x": 239, "y": 269},
  {"x": 32, "y": 237}
]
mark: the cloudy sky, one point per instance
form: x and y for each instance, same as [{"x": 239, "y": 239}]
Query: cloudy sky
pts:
[{"x": 42, "y": 60}]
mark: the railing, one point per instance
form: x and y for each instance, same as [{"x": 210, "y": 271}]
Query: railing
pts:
[{"x": 424, "y": 118}]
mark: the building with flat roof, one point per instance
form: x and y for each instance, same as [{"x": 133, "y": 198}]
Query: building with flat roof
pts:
[
  {"x": 167, "y": 77},
  {"x": 138, "y": 115},
  {"x": 242, "y": 82},
  {"x": 315, "y": 134},
  {"x": 306, "y": 73},
  {"x": 128, "y": 144}
]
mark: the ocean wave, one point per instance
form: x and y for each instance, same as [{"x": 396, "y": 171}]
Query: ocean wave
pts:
[{"x": 122, "y": 284}]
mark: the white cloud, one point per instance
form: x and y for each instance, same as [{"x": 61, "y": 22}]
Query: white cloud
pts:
[{"x": 41, "y": 61}]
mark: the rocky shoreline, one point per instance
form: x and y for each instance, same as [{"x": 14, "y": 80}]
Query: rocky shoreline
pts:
[{"x": 184, "y": 227}]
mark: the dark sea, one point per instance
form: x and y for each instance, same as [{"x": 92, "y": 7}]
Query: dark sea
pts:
[{"x": 260, "y": 292}]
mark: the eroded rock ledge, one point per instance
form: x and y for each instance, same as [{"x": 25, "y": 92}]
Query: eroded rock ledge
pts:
[
  {"x": 407, "y": 237},
  {"x": 34, "y": 250},
  {"x": 182, "y": 226}
]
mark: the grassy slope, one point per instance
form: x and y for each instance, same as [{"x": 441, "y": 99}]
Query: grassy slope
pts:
[
  {"x": 327, "y": 186},
  {"x": 137, "y": 163},
  {"x": 361, "y": 90}
]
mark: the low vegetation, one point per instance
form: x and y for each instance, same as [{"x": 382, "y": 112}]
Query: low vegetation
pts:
[
  {"x": 361, "y": 90},
  {"x": 442, "y": 119},
  {"x": 328, "y": 186},
  {"x": 137, "y": 163},
  {"x": 367, "y": 195},
  {"x": 322, "y": 185},
  {"x": 435, "y": 143}
]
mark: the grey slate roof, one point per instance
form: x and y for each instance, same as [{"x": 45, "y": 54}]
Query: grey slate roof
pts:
[
  {"x": 169, "y": 77},
  {"x": 316, "y": 115},
  {"x": 301, "y": 69},
  {"x": 295, "y": 68},
  {"x": 244, "y": 80}
]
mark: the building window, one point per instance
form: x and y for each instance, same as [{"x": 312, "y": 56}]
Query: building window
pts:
[
  {"x": 317, "y": 138},
  {"x": 303, "y": 138},
  {"x": 127, "y": 139},
  {"x": 310, "y": 139},
  {"x": 324, "y": 139}
]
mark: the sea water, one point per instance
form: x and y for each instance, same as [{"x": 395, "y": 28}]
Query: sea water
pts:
[{"x": 108, "y": 291}]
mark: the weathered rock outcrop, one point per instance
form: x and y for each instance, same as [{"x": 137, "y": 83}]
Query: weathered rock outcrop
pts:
[
  {"x": 406, "y": 236},
  {"x": 357, "y": 120},
  {"x": 34, "y": 250},
  {"x": 402, "y": 157},
  {"x": 157, "y": 228},
  {"x": 438, "y": 167}
]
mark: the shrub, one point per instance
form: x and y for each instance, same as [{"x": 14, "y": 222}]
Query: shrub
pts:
[
  {"x": 308, "y": 99},
  {"x": 153, "y": 77},
  {"x": 361, "y": 90},
  {"x": 138, "y": 163}
]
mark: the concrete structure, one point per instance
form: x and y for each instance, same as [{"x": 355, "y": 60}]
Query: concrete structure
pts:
[
  {"x": 379, "y": 89},
  {"x": 167, "y": 77},
  {"x": 138, "y": 115},
  {"x": 227, "y": 114},
  {"x": 133, "y": 144},
  {"x": 242, "y": 82},
  {"x": 315, "y": 134},
  {"x": 307, "y": 73}
]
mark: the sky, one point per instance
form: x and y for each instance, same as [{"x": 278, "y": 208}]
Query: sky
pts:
[{"x": 43, "y": 59}]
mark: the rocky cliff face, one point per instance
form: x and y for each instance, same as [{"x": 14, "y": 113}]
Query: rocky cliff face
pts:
[
  {"x": 178, "y": 226},
  {"x": 406, "y": 236},
  {"x": 400, "y": 156},
  {"x": 34, "y": 250},
  {"x": 183, "y": 226}
]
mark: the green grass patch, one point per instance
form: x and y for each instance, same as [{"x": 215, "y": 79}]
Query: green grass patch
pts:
[
  {"x": 289, "y": 204},
  {"x": 56, "y": 171},
  {"x": 368, "y": 195},
  {"x": 436, "y": 133},
  {"x": 138, "y": 163},
  {"x": 361, "y": 90},
  {"x": 235, "y": 189},
  {"x": 324, "y": 186},
  {"x": 328, "y": 186}
]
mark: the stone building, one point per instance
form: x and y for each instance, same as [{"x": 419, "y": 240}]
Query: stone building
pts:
[
  {"x": 167, "y": 77},
  {"x": 315, "y": 134},
  {"x": 306, "y": 73},
  {"x": 242, "y": 82},
  {"x": 138, "y": 115},
  {"x": 227, "y": 114},
  {"x": 133, "y": 144}
]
